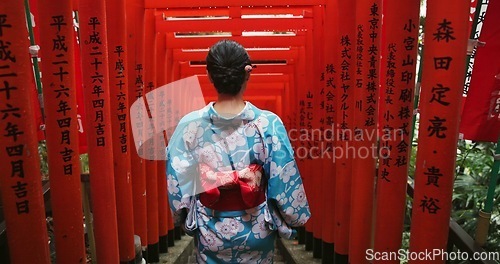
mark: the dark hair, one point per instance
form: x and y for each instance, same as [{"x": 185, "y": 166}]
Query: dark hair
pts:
[{"x": 226, "y": 61}]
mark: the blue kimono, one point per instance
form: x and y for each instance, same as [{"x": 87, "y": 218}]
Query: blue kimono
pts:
[{"x": 254, "y": 136}]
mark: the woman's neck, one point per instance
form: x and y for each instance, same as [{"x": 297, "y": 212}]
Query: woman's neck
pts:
[{"x": 227, "y": 104}]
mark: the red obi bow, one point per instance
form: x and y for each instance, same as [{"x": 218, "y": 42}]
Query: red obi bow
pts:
[{"x": 239, "y": 190}]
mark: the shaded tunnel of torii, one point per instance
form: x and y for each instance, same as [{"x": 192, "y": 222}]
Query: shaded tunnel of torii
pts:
[{"x": 327, "y": 68}]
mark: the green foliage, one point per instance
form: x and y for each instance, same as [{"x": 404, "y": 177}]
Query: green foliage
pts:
[
  {"x": 474, "y": 164},
  {"x": 474, "y": 167},
  {"x": 84, "y": 162},
  {"x": 44, "y": 165}
]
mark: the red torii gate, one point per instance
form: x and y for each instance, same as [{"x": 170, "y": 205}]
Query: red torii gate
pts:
[
  {"x": 294, "y": 68},
  {"x": 298, "y": 25}
]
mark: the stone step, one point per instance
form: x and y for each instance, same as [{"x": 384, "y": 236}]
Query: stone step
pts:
[
  {"x": 297, "y": 253},
  {"x": 278, "y": 257},
  {"x": 179, "y": 254}
]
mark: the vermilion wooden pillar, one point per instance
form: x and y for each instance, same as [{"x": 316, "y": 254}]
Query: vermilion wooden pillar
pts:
[
  {"x": 314, "y": 53},
  {"x": 330, "y": 77},
  {"x": 308, "y": 98},
  {"x": 98, "y": 122},
  {"x": 169, "y": 77},
  {"x": 294, "y": 108},
  {"x": 365, "y": 109},
  {"x": 291, "y": 98},
  {"x": 151, "y": 165},
  {"x": 163, "y": 211},
  {"x": 169, "y": 63},
  {"x": 286, "y": 97},
  {"x": 22, "y": 197},
  {"x": 345, "y": 115},
  {"x": 396, "y": 112},
  {"x": 135, "y": 45},
  {"x": 302, "y": 157},
  {"x": 296, "y": 115},
  {"x": 61, "y": 126},
  {"x": 120, "y": 120},
  {"x": 446, "y": 38},
  {"x": 177, "y": 75}
]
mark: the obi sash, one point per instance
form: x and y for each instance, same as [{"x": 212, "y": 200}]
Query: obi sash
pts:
[{"x": 232, "y": 190}]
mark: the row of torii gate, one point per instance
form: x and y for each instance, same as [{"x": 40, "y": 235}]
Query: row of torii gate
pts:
[{"x": 320, "y": 64}]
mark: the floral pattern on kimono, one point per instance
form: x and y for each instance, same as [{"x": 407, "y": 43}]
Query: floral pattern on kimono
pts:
[{"x": 253, "y": 136}]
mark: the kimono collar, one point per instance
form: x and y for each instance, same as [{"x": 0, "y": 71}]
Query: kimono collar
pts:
[{"x": 249, "y": 113}]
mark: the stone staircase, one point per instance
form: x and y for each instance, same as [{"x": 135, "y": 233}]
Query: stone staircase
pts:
[
  {"x": 286, "y": 251},
  {"x": 278, "y": 257}
]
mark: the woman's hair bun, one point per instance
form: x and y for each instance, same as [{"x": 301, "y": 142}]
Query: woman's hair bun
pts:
[{"x": 226, "y": 61}]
